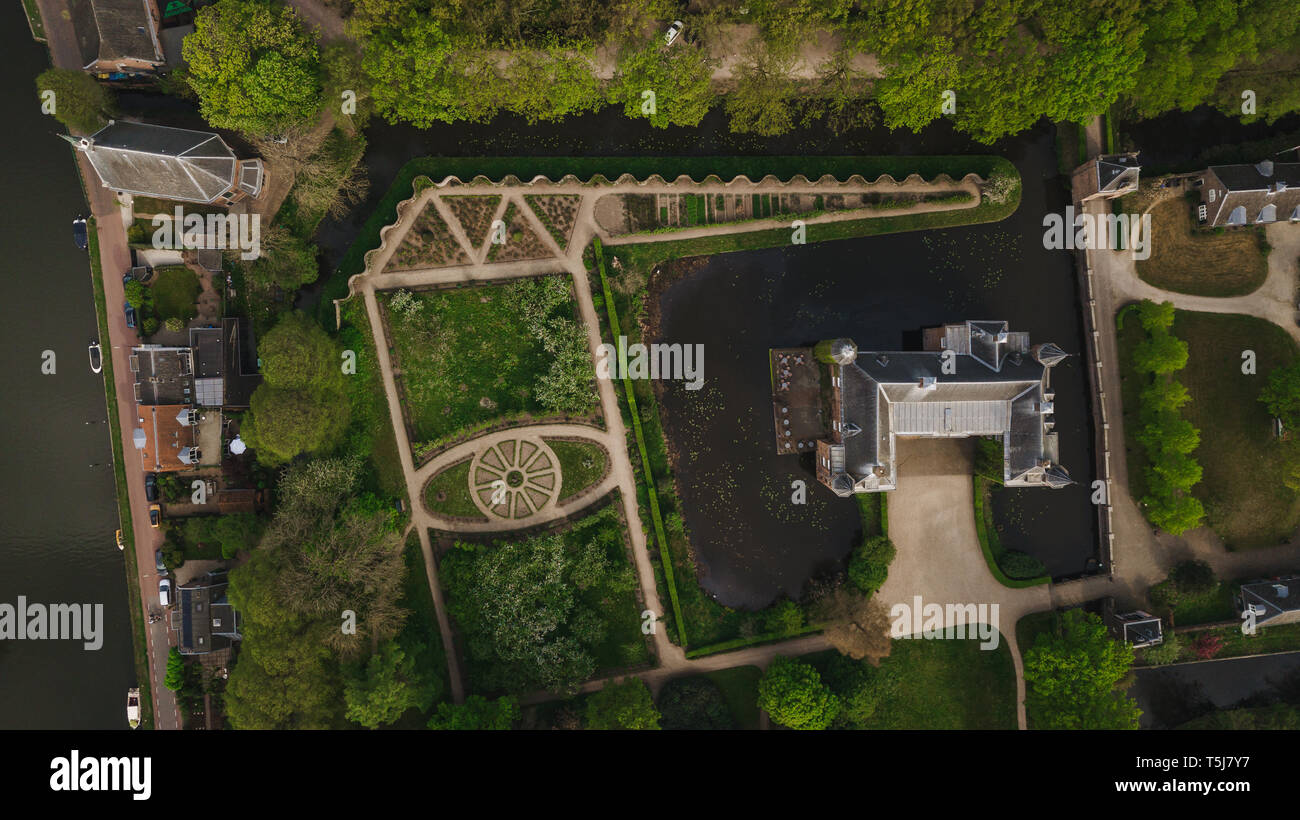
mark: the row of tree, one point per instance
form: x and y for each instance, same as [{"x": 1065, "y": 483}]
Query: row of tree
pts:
[
  {"x": 255, "y": 67},
  {"x": 1168, "y": 438}
]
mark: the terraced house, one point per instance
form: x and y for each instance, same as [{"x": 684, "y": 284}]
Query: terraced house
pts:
[{"x": 971, "y": 379}]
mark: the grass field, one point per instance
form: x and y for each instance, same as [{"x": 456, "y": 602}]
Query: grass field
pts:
[
  {"x": 739, "y": 687},
  {"x": 174, "y": 293},
  {"x": 466, "y": 359},
  {"x": 1203, "y": 263},
  {"x": 944, "y": 684},
  {"x": 370, "y": 431},
  {"x": 581, "y": 465},
  {"x": 1245, "y": 502},
  {"x": 453, "y": 484}
]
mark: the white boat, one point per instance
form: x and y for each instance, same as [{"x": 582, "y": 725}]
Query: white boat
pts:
[
  {"x": 133, "y": 707},
  {"x": 96, "y": 358}
]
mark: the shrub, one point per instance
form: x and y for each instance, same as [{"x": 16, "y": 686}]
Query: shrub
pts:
[
  {"x": 173, "y": 324},
  {"x": 693, "y": 703},
  {"x": 1206, "y": 646},
  {"x": 175, "y": 677},
  {"x": 1162, "y": 653},
  {"x": 1019, "y": 566},
  {"x": 869, "y": 564},
  {"x": 784, "y": 618},
  {"x": 793, "y": 694}
]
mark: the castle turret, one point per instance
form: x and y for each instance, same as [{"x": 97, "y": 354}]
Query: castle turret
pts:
[{"x": 1049, "y": 354}]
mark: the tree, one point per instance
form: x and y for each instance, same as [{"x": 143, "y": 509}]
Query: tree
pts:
[
  {"x": 856, "y": 625},
  {"x": 175, "y": 677},
  {"x": 254, "y": 66},
  {"x": 1192, "y": 579},
  {"x": 477, "y": 713},
  {"x": 763, "y": 99},
  {"x": 860, "y": 687},
  {"x": 237, "y": 532},
  {"x": 80, "y": 103},
  {"x": 550, "y": 84},
  {"x": 679, "y": 82},
  {"x": 1282, "y": 394},
  {"x": 419, "y": 74},
  {"x": 1160, "y": 353},
  {"x": 869, "y": 563},
  {"x": 785, "y": 618},
  {"x": 693, "y": 703},
  {"x": 1073, "y": 678},
  {"x": 387, "y": 685},
  {"x": 793, "y": 694},
  {"x": 285, "y": 260},
  {"x": 301, "y": 405},
  {"x": 911, "y": 93},
  {"x": 1155, "y": 316},
  {"x": 626, "y": 705}
]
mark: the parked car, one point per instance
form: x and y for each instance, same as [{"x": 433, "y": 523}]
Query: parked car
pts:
[
  {"x": 165, "y": 592},
  {"x": 158, "y": 562},
  {"x": 79, "y": 232},
  {"x": 155, "y": 515},
  {"x": 673, "y": 31},
  {"x": 151, "y": 487},
  {"x": 130, "y": 315}
]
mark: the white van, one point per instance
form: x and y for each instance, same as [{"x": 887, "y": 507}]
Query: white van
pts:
[{"x": 165, "y": 592}]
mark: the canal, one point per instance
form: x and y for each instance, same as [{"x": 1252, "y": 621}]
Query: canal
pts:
[
  {"x": 1171, "y": 696},
  {"x": 57, "y": 495}
]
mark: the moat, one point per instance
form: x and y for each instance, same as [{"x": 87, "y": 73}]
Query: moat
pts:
[{"x": 751, "y": 542}]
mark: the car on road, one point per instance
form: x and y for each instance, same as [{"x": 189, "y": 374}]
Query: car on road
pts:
[
  {"x": 79, "y": 235},
  {"x": 151, "y": 487},
  {"x": 130, "y": 315},
  {"x": 165, "y": 592},
  {"x": 158, "y": 562},
  {"x": 155, "y": 515},
  {"x": 673, "y": 31}
]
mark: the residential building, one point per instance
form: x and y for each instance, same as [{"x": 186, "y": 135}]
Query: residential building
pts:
[
  {"x": 170, "y": 163},
  {"x": 203, "y": 619},
  {"x": 118, "y": 37},
  {"x": 972, "y": 379},
  {"x": 1273, "y": 601},
  {"x": 1235, "y": 195},
  {"x": 166, "y": 438},
  {"x": 163, "y": 375},
  {"x": 1107, "y": 177},
  {"x": 1138, "y": 628}
]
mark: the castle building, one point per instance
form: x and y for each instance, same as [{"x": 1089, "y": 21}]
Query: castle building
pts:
[{"x": 971, "y": 379}]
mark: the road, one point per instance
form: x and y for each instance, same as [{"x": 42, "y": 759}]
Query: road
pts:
[{"x": 115, "y": 258}]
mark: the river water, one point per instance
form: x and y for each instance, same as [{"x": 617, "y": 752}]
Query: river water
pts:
[{"x": 57, "y": 512}]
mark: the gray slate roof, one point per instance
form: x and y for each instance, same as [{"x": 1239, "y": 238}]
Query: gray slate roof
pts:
[
  {"x": 114, "y": 30},
  {"x": 164, "y": 162}
]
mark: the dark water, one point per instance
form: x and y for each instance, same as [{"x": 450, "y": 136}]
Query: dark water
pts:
[
  {"x": 1185, "y": 141},
  {"x": 752, "y": 543},
  {"x": 58, "y": 513},
  {"x": 1174, "y": 695}
]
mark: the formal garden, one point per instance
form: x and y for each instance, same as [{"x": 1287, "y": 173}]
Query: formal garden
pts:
[
  {"x": 546, "y": 610},
  {"x": 476, "y": 357}
]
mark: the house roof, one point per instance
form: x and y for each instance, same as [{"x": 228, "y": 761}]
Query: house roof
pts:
[
  {"x": 114, "y": 30},
  {"x": 203, "y": 619},
  {"x": 1272, "y": 598},
  {"x": 163, "y": 375},
  {"x": 1115, "y": 171},
  {"x": 168, "y": 439},
  {"x": 1258, "y": 177},
  {"x": 160, "y": 161}
]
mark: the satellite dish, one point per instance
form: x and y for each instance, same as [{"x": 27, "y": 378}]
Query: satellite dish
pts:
[{"x": 237, "y": 446}]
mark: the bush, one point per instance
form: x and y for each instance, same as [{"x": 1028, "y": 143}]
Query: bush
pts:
[
  {"x": 173, "y": 324},
  {"x": 869, "y": 564},
  {"x": 693, "y": 703},
  {"x": 793, "y": 694},
  {"x": 1162, "y": 653},
  {"x": 175, "y": 677},
  {"x": 1020, "y": 566},
  {"x": 785, "y": 618},
  {"x": 149, "y": 326}
]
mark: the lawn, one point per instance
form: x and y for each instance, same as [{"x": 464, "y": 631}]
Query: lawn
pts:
[
  {"x": 739, "y": 687},
  {"x": 175, "y": 291},
  {"x": 1235, "y": 644},
  {"x": 944, "y": 684},
  {"x": 467, "y": 359},
  {"x": 1245, "y": 502},
  {"x": 452, "y": 485},
  {"x": 582, "y": 464},
  {"x": 370, "y": 431},
  {"x": 1204, "y": 263}
]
